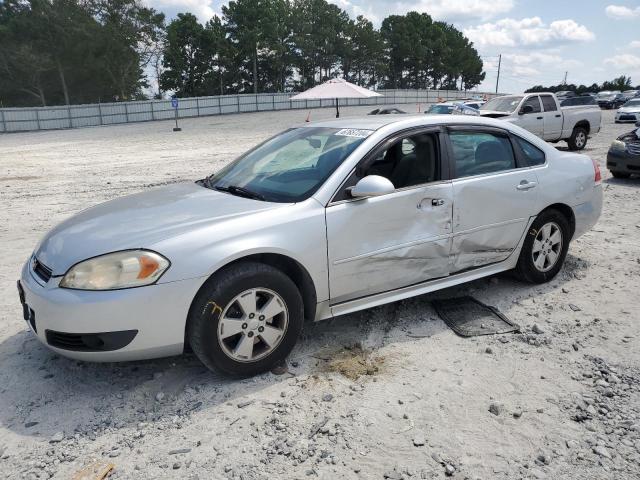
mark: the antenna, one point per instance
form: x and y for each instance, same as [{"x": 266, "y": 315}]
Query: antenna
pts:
[{"x": 498, "y": 77}]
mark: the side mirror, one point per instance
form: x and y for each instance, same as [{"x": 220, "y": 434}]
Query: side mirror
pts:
[
  {"x": 372, "y": 186},
  {"x": 526, "y": 109}
]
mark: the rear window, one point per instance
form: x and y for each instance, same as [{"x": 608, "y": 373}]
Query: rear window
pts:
[{"x": 533, "y": 154}]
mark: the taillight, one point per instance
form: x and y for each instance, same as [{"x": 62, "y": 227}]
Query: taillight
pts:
[{"x": 598, "y": 176}]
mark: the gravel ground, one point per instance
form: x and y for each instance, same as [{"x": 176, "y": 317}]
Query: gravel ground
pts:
[{"x": 385, "y": 393}]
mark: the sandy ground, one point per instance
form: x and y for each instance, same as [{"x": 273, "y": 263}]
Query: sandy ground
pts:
[{"x": 567, "y": 399}]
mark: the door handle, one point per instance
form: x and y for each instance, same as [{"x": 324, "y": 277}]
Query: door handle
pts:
[
  {"x": 558, "y": 116},
  {"x": 539, "y": 118},
  {"x": 526, "y": 185},
  {"x": 437, "y": 202}
]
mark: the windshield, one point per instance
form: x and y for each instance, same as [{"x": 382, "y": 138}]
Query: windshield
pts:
[
  {"x": 502, "y": 104},
  {"x": 289, "y": 167},
  {"x": 440, "y": 109},
  {"x": 632, "y": 103}
]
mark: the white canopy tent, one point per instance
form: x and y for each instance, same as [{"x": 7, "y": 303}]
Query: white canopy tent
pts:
[{"x": 335, "y": 88}]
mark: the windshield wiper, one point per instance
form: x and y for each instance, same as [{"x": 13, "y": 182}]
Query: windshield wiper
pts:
[{"x": 240, "y": 191}]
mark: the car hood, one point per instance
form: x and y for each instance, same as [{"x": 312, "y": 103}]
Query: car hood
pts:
[
  {"x": 634, "y": 109},
  {"x": 139, "y": 221}
]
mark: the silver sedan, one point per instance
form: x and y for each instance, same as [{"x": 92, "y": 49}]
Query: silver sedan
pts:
[{"x": 318, "y": 221}]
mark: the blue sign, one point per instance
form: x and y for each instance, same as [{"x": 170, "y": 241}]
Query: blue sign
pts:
[{"x": 174, "y": 102}]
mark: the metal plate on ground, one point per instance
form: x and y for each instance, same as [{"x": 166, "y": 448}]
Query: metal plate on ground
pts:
[{"x": 469, "y": 318}]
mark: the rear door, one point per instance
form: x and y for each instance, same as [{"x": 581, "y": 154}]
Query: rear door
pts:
[
  {"x": 494, "y": 196},
  {"x": 382, "y": 243},
  {"x": 552, "y": 117},
  {"x": 532, "y": 121}
]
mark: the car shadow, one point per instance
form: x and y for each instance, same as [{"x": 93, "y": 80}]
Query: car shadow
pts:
[
  {"x": 633, "y": 181},
  {"x": 44, "y": 393}
]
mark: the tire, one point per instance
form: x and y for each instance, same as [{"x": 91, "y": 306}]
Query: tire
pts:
[
  {"x": 219, "y": 295},
  {"x": 578, "y": 139},
  {"x": 526, "y": 268},
  {"x": 620, "y": 174}
]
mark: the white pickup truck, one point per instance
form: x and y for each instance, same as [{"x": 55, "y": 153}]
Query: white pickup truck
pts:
[{"x": 541, "y": 114}]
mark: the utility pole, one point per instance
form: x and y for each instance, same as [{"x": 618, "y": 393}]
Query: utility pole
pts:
[
  {"x": 498, "y": 78},
  {"x": 564, "y": 82}
]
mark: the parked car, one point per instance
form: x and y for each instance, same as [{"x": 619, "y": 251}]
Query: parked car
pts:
[
  {"x": 542, "y": 115},
  {"x": 623, "y": 158},
  {"x": 316, "y": 222},
  {"x": 629, "y": 112},
  {"x": 629, "y": 94},
  {"x": 446, "y": 108},
  {"x": 386, "y": 111},
  {"x": 564, "y": 94},
  {"x": 610, "y": 100},
  {"x": 578, "y": 101},
  {"x": 589, "y": 94}
]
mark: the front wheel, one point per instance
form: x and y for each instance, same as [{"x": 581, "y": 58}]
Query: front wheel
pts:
[
  {"x": 544, "y": 248},
  {"x": 245, "y": 319},
  {"x": 578, "y": 139}
]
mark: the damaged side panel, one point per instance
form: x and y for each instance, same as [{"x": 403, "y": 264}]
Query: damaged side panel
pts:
[{"x": 490, "y": 215}]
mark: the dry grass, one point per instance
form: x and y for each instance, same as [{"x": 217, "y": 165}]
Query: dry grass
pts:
[{"x": 354, "y": 362}]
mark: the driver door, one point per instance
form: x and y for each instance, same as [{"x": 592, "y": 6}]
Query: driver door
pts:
[
  {"x": 533, "y": 121},
  {"x": 382, "y": 243}
]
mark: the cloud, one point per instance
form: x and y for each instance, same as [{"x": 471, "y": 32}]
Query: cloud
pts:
[
  {"x": 528, "y": 32},
  {"x": 203, "y": 9},
  {"x": 447, "y": 10},
  {"x": 619, "y": 12},
  {"x": 624, "y": 61},
  {"x": 635, "y": 44},
  {"x": 532, "y": 64}
]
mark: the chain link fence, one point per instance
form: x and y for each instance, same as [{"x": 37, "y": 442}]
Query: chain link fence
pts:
[{"x": 90, "y": 115}]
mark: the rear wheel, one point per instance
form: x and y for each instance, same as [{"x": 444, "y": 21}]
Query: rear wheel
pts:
[
  {"x": 245, "y": 319},
  {"x": 620, "y": 174},
  {"x": 545, "y": 247},
  {"x": 578, "y": 138}
]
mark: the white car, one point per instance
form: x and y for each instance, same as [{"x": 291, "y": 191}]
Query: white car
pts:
[
  {"x": 447, "y": 108},
  {"x": 629, "y": 112},
  {"x": 542, "y": 115},
  {"x": 316, "y": 222}
]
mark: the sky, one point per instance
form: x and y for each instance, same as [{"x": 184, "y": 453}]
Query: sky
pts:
[{"x": 540, "y": 40}]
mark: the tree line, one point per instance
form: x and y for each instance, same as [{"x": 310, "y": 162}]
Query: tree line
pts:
[
  {"x": 55, "y": 52},
  {"x": 621, "y": 84}
]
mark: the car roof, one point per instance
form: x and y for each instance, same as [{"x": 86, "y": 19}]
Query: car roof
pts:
[{"x": 374, "y": 122}]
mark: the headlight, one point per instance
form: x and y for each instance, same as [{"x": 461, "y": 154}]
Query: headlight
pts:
[
  {"x": 126, "y": 269},
  {"x": 618, "y": 146}
]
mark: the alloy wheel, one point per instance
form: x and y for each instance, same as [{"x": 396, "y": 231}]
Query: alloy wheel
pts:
[
  {"x": 547, "y": 247},
  {"x": 252, "y": 325}
]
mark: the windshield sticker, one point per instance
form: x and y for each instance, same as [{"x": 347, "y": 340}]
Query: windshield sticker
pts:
[{"x": 353, "y": 132}]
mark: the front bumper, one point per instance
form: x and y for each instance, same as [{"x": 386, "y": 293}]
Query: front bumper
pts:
[
  {"x": 156, "y": 313},
  {"x": 627, "y": 117},
  {"x": 623, "y": 162}
]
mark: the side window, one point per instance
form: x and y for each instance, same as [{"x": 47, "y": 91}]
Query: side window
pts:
[
  {"x": 549, "y": 103},
  {"x": 410, "y": 161},
  {"x": 533, "y": 154},
  {"x": 478, "y": 153},
  {"x": 534, "y": 102}
]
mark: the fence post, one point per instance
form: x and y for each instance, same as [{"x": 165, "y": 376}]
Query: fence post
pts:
[
  {"x": 126, "y": 112},
  {"x": 256, "y": 95},
  {"x": 238, "y": 102},
  {"x": 273, "y": 102},
  {"x": 4, "y": 124},
  {"x": 100, "y": 113},
  {"x": 69, "y": 116},
  {"x": 198, "y": 106},
  {"x": 153, "y": 111},
  {"x": 219, "y": 106},
  {"x": 38, "y": 118}
]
